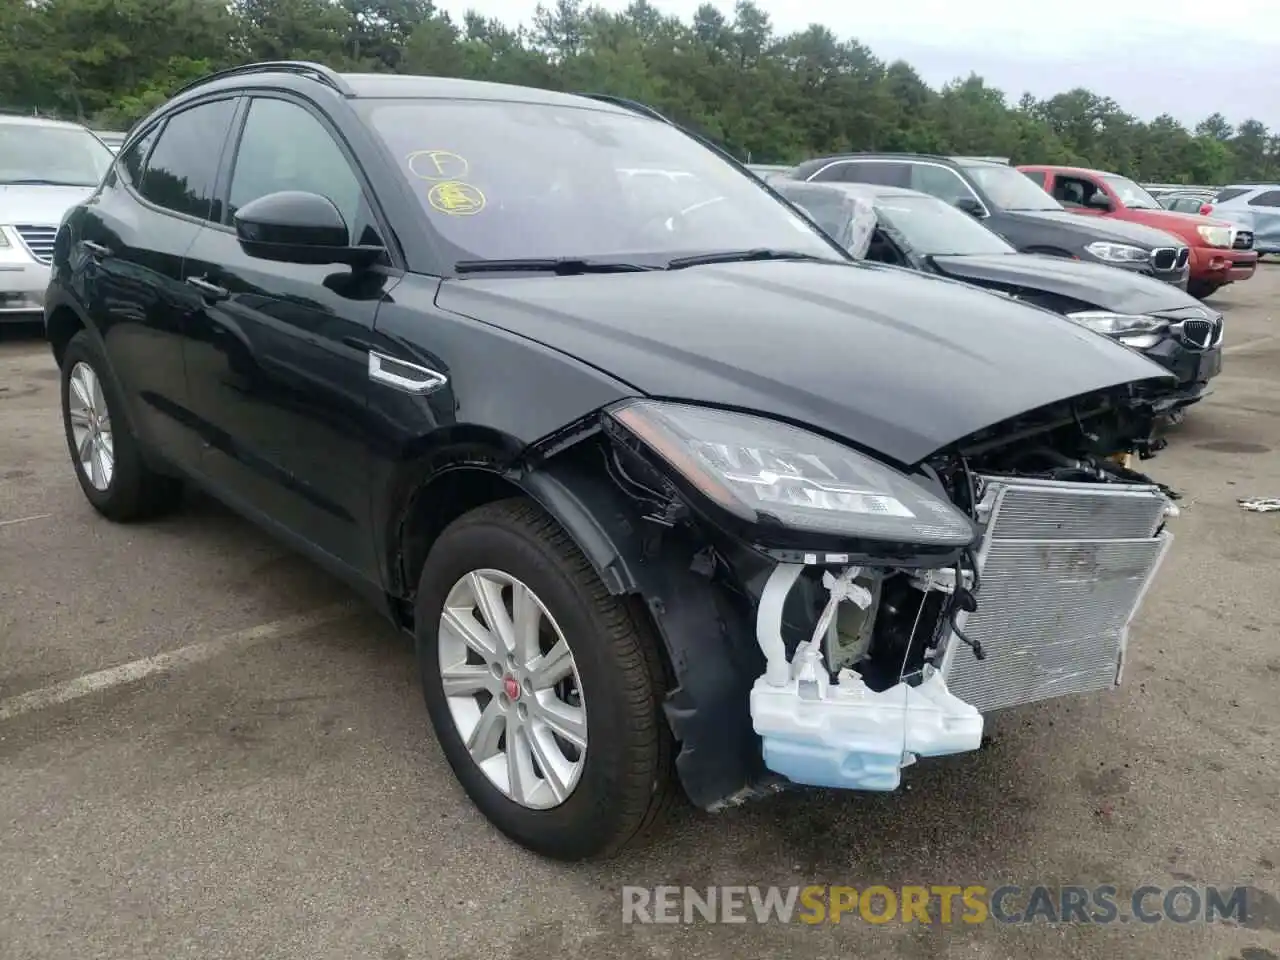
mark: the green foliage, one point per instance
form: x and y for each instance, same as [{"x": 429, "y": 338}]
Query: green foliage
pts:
[{"x": 765, "y": 97}]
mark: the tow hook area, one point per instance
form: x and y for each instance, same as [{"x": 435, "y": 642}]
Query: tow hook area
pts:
[{"x": 843, "y": 734}]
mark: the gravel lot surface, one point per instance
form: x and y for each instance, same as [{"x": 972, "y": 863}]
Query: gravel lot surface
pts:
[{"x": 273, "y": 789}]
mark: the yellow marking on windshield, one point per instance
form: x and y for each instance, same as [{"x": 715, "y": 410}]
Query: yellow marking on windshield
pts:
[
  {"x": 437, "y": 165},
  {"x": 456, "y": 198}
]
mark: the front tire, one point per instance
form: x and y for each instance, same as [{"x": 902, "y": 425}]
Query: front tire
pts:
[
  {"x": 106, "y": 455},
  {"x": 552, "y": 720}
]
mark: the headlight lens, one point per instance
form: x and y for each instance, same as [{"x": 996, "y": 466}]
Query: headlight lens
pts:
[
  {"x": 770, "y": 473},
  {"x": 1215, "y": 236},
  {"x": 1118, "y": 252},
  {"x": 1116, "y": 324}
]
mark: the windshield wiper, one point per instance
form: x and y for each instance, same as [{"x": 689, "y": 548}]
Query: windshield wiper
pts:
[
  {"x": 37, "y": 182},
  {"x": 560, "y": 266},
  {"x": 743, "y": 256}
]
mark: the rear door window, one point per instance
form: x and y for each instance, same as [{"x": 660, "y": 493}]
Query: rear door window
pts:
[
  {"x": 1074, "y": 191},
  {"x": 1268, "y": 198},
  {"x": 132, "y": 163},
  {"x": 882, "y": 172},
  {"x": 182, "y": 169},
  {"x": 1229, "y": 194},
  {"x": 941, "y": 182}
]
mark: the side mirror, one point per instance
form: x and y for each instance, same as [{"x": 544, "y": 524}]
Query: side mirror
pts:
[
  {"x": 971, "y": 206},
  {"x": 1098, "y": 201},
  {"x": 297, "y": 227}
]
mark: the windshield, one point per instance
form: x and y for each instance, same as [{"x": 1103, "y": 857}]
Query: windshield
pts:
[
  {"x": 66, "y": 156},
  {"x": 503, "y": 180},
  {"x": 933, "y": 228},
  {"x": 1130, "y": 194},
  {"x": 1009, "y": 189}
]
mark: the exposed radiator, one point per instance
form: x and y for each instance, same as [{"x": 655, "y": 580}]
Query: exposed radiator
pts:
[{"x": 1064, "y": 569}]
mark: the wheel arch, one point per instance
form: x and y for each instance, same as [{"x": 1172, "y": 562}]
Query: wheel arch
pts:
[
  {"x": 453, "y": 471},
  {"x": 707, "y": 637},
  {"x": 61, "y": 324}
]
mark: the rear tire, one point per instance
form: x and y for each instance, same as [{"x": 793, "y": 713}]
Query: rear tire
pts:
[
  {"x": 1201, "y": 290},
  {"x": 105, "y": 454},
  {"x": 625, "y": 780}
]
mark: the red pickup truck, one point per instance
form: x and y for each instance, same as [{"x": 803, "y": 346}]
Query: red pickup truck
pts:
[{"x": 1220, "y": 252}]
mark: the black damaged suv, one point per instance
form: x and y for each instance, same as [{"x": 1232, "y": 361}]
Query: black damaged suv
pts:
[{"x": 668, "y": 490}]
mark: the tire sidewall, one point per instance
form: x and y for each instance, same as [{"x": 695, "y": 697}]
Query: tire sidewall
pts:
[
  {"x": 610, "y": 734},
  {"x": 84, "y": 349}
]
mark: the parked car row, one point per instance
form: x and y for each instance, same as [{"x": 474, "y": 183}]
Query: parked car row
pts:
[
  {"x": 921, "y": 232},
  {"x": 1039, "y": 209},
  {"x": 671, "y": 489}
]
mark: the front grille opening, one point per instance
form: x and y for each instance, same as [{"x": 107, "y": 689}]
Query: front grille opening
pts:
[{"x": 38, "y": 240}]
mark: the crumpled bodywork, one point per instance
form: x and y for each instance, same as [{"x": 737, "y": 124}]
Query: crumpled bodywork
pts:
[{"x": 794, "y": 667}]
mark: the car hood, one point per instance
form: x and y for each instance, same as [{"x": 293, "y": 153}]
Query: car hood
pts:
[
  {"x": 1170, "y": 220},
  {"x": 895, "y": 362},
  {"x": 1117, "y": 231},
  {"x": 38, "y": 205},
  {"x": 1094, "y": 283}
]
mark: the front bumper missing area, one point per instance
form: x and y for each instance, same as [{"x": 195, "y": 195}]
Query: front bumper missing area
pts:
[{"x": 1063, "y": 568}]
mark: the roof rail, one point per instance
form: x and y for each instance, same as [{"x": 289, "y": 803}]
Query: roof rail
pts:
[
  {"x": 316, "y": 71},
  {"x": 633, "y": 105}
]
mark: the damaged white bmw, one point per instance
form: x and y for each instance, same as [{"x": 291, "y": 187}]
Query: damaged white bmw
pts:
[{"x": 670, "y": 492}]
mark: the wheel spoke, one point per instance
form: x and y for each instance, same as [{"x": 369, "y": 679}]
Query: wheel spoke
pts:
[
  {"x": 521, "y": 778},
  {"x": 526, "y": 622},
  {"x": 79, "y": 417},
  {"x": 101, "y": 467},
  {"x": 472, "y": 633},
  {"x": 488, "y": 597},
  {"x": 483, "y": 742},
  {"x": 557, "y": 769},
  {"x": 551, "y": 667},
  {"x": 80, "y": 389},
  {"x": 84, "y": 448},
  {"x": 570, "y": 723},
  {"x": 467, "y": 679},
  {"x": 94, "y": 386}
]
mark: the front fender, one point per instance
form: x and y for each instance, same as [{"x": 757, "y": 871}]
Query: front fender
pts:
[{"x": 707, "y": 631}]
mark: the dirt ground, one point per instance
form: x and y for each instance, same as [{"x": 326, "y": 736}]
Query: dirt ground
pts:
[{"x": 274, "y": 789}]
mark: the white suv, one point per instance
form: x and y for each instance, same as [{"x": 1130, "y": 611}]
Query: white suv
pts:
[{"x": 46, "y": 167}]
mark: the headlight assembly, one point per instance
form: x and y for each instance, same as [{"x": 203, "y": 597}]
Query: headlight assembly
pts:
[
  {"x": 1133, "y": 330},
  {"x": 776, "y": 476},
  {"x": 1215, "y": 236},
  {"x": 1118, "y": 252}
]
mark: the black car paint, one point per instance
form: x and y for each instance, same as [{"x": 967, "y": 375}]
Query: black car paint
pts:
[
  {"x": 1056, "y": 232},
  {"x": 255, "y": 385},
  {"x": 901, "y": 384},
  {"x": 1101, "y": 287}
]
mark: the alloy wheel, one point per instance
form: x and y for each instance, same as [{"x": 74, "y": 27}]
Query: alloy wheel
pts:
[
  {"x": 91, "y": 426},
  {"x": 512, "y": 688}
]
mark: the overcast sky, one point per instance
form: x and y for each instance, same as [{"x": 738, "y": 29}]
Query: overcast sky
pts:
[{"x": 1187, "y": 58}]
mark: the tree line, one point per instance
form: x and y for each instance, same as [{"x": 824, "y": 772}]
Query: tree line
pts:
[{"x": 766, "y": 97}]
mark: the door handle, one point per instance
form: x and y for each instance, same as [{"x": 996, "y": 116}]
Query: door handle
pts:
[
  {"x": 210, "y": 291},
  {"x": 406, "y": 377},
  {"x": 95, "y": 249}
]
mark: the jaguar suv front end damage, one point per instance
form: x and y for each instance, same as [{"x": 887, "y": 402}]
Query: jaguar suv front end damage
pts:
[{"x": 882, "y": 612}]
